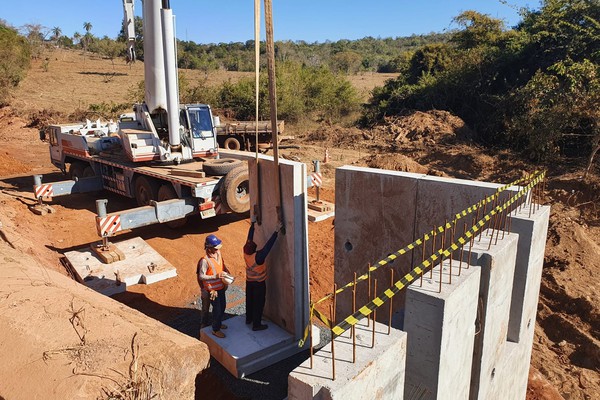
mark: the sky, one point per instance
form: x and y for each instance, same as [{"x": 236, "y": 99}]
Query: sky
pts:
[{"x": 224, "y": 21}]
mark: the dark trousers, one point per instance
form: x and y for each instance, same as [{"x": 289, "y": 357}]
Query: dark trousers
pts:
[
  {"x": 218, "y": 306},
  {"x": 205, "y": 307},
  {"x": 255, "y": 302}
]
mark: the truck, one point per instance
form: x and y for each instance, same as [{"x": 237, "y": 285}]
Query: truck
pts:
[
  {"x": 241, "y": 135},
  {"x": 163, "y": 154}
]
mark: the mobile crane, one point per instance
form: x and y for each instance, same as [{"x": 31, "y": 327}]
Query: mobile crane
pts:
[{"x": 165, "y": 155}]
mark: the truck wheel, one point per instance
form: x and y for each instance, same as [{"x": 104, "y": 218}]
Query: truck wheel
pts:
[
  {"x": 232, "y": 143},
  {"x": 235, "y": 190},
  {"x": 88, "y": 172},
  {"x": 146, "y": 189},
  {"x": 221, "y": 166},
  {"x": 76, "y": 170},
  {"x": 167, "y": 192}
]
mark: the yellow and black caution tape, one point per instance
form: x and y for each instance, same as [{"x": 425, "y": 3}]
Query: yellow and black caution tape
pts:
[{"x": 364, "y": 311}]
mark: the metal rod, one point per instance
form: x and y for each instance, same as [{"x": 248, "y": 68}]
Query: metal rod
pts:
[
  {"x": 369, "y": 293},
  {"x": 423, "y": 260},
  {"x": 471, "y": 246},
  {"x": 442, "y": 260},
  {"x": 354, "y": 326},
  {"x": 310, "y": 333},
  {"x": 432, "y": 252},
  {"x": 374, "y": 316},
  {"x": 451, "y": 251},
  {"x": 481, "y": 232},
  {"x": 391, "y": 300},
  {"x": 462, "y": 249},
  {"x": 332, "y": 318}
]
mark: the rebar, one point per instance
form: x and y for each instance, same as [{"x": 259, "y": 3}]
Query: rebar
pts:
[
  {"x": 391, "y": 300},
  {"x": 374, "y": 315}
]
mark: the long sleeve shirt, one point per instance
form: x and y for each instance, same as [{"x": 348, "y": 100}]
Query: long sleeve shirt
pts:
[
  {"x": 202, "y": 268},
  {"x": 261, "y": 255}
]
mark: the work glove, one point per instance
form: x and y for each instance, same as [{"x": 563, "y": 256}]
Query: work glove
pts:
[
  {"x": 253, "y": 218},
  {"x": 213, "y": 294}
]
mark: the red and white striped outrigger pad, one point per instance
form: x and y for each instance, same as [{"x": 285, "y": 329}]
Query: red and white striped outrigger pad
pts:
[
  {"x": 316, "y": 178},
  {"x": 109, "y": 225},
  {"x": 45, "y": 190},
  {"x": 219, "y": 209}
]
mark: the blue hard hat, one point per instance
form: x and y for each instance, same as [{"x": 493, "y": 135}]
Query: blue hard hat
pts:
[{"x": 213, "y": 242}]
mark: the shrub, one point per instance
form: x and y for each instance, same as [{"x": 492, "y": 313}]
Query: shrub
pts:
[{"x": 14, "y": 60}]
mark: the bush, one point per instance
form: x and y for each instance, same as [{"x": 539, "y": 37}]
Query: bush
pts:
[
  {"x": 302, "y": 92},
  {"x": 15, "y": 56}
]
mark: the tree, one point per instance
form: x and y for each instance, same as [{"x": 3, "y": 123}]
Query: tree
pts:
[
  {"x": 14, "y": 60},
  {"x": 87, "y": 38},
  {"x": 56, "y": 33}
]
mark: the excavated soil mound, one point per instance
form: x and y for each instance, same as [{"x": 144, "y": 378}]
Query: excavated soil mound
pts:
[
  {"x": 394, "y": 162},
  {"x": 428, "y": 127}
]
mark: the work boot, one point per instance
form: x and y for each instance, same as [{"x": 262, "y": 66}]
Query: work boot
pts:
[
  {"x": 223, "y": 326},
  {"x": 218, "y": 334},
  {"x": 261, "y": 327}
]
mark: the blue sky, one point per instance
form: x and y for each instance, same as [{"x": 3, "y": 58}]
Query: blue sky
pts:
[{"x": 217, "y": 21}]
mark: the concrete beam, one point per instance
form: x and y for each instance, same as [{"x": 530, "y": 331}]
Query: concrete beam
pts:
[
  {"x": 441, "y": 332},
  {"x": 497, "y": 274},
  {"x": 378, "y": 372}
]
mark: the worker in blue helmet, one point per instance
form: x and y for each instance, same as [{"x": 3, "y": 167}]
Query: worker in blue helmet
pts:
[{"x": 210, "y": 270}]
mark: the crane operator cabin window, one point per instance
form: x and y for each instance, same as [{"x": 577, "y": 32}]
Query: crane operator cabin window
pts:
[{"x": 200, "y": 122}]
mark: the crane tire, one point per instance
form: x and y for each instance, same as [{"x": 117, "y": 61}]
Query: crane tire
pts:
[
  {"x": 220, "y": 166},
  {"x": 146, "y": 189},
  {"x": 76, "y": 170},
  {"x": 235, "y": 190},
  {"x": 88, "y": 172},
  {"x": 232, "y": 143},
  {"x": 167, "y": 192}
]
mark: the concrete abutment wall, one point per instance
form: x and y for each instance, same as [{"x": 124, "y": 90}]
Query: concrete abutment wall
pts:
[{"x": 473, "y": 339}]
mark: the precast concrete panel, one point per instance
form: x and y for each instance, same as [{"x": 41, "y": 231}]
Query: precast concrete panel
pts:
[{"x": 375, "y": 212}]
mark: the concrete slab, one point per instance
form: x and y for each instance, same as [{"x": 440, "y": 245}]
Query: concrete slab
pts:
[
  {"x": 142, "y": 264},
  {"x": 244, "y": 351},
  {"x": 377, "y": 374},
  {"x": 497, "y": 273},
  {"x": 441, "y": 332}
]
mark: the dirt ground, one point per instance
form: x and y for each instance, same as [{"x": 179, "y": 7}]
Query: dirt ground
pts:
[{"x": 566, "y": 354}]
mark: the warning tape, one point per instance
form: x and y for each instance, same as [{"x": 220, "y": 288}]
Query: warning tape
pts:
[{"x": 403, "y": 282}]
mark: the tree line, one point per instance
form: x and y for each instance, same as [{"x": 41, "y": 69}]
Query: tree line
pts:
[{"x": 534, "y": 88}]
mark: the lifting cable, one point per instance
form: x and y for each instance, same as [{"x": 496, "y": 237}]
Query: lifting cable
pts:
[
  {"x": 273, "y": 104},
  {"x": 257, "y": 208}
]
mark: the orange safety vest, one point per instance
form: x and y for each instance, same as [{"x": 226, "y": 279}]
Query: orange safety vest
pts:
[
  {"x": 254, "y": 272},
  {"x": 215, "y": 267}
]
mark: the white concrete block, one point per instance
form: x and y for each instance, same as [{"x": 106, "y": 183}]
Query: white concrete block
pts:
[
  {"x": 441, "y": 331},
  {"x": 244, "y": 351},
  {"x": 142, "y": 264},
  {"x": 378, "y": 372}
]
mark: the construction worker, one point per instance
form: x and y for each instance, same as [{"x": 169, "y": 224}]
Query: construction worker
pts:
[
  {"x": 256, "y": 273},
  {"x": 210, "y": 271}
]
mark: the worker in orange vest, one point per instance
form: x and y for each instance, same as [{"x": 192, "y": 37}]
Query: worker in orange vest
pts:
[
  {"x": 210, "y": 271},
  {"x": 256, "y": 274}
]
